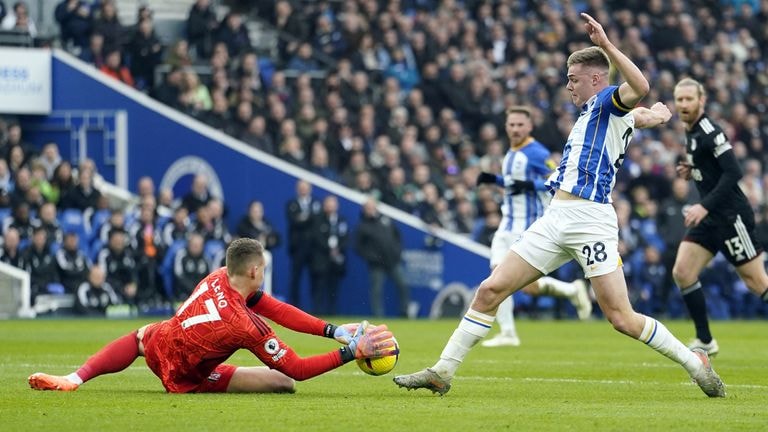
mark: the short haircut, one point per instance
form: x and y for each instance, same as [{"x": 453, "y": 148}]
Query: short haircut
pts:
[
  {"x": 691, "y": 82},
  {"x": 592, "y": 56},
  {"x": 241, "y": 253},
  {"x": 519, "y": 109}
]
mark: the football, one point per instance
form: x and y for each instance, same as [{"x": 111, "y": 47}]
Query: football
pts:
[{"x": 379, "y": 365}]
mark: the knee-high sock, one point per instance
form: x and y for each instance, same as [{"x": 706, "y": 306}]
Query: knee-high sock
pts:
[
  {"x": 557, "y": 288},
  {"x": 656, "y": 336},
  {"x": 114, "y": 357},
  {"x": 505, "y": 316},
  {"x": 697, "y": 308},
  {"x": 473, "y": 327}
]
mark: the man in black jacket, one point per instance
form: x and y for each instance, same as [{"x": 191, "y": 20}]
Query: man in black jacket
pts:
[
  {"x": 377, "y": 241},
  {"x": 120, "y": 266},
  {"x": 301, "y": 212},
  {"x": 73, "y": 265},
  {"x": 189, "y": 267},
  {"x": 329, "y": 256},
  {"x": 40, "y": 263}
]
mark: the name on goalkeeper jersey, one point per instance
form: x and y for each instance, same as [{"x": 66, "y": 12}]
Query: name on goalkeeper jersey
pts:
[{"x": 221, "y": 301}]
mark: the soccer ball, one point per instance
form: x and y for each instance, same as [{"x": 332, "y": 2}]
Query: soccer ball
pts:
[{"x": 379, "y": 365}]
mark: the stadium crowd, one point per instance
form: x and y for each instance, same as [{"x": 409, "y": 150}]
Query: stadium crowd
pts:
[{"x": 405, "y": 99}]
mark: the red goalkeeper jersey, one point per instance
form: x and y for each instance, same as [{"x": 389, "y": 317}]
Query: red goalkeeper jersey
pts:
[{"x": 214, "y": 322}]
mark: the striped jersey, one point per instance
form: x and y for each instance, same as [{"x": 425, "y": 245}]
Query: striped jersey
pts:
[
  {"x": 595, "y": 148},
  {"x": 529, "y": 162}
]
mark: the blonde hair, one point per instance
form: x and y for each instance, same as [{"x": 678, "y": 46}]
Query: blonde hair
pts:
[
  {"x": 519, "y": 109},
  {"x": 592, "y": 56},
  {"x": 691, "y": 82}
]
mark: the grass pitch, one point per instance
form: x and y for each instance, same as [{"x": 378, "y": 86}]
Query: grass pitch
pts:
[{"x": 566, "y": 376}]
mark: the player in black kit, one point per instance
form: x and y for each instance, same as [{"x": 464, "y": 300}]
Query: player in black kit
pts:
[{"x": 722, "y": 222}]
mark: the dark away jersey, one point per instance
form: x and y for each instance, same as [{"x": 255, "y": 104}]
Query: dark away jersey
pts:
[{"x": 715, "y": 169}]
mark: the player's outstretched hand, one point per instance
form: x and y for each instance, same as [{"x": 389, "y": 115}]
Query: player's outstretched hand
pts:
[
  {"x": 345, "y": 332},
  {"x": 485, "y": 177},
  {"x": 662, "y": 111},
  {"x": 372, "y": 341},
  {"x": 595, "y": 30}
]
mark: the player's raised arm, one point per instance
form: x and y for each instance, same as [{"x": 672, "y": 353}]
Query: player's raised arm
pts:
[
  {"x": 651, "y": 117},
  {"x": 636, "y": 86}
]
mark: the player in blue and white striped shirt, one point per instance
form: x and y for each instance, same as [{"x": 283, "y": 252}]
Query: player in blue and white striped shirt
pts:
[
  {"x": 523, "y": 172},
  {"x": 579, "y": 223}
]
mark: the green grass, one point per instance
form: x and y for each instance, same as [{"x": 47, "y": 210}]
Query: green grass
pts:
[{"x": 565, "y": 376}]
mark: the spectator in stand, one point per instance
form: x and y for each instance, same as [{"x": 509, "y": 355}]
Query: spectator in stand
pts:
[
  {"x": 19, "y": 20},
  {"x": 671, "y": 226},
  {"x": 219, "y": 117},
  {"x": 201, "y": 24},
  {"x": 41, "y": 264},
  {"x": 106, "y": 23},
  {"x": 119, "y": 265},
  {"x": 145, "y": 51},
  {"x": 198, "y": 195},
  {"x": 20, "y": 221},
  {"x": 84, "y": 195},
  {"x": 113, "y": 67},
  {"x": 40, "y": 181},
  {"x": 178, "y": 56},
  {"x": 62, "y": 181},
  {"x": 219, "y": 231},
  {"x": 194, "y": 97},
  {"x": 94, "y": 53},
  {"x": 253, "y": 225},
  {"x": 95, "y": 294},
  {"x": 303, "y": 61},
  {"x": 17, "y": 158},
  {"x": 289, "y": 21},
  {"x": 148, "y": 247},
  {"x": 177, "y": 228},
  {"x": 74, "y": 18},
  {"x": 301, "y": 213},
  {"x": 233, "y": 34},
  {"x": 377, "y": 241},
  {"x": 10, "y": 253},
  {"x": 50, "y": 158},
  {"x": 257, "y": 136},
  {"x": 46, "y": 219},
  {"x": 329, "y": 256},
  {"x": 189, "y": 267},
  {"x": 116, "y": 221},
  {"x": 21, "y": 186},
  {"x": 72, "y": 264},
  {"x": 6, "y": 185}
]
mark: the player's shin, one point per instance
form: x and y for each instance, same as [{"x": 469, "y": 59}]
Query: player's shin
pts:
[
  {"x": 473, "y": 327},
  {"x": 658, "y": 337}
]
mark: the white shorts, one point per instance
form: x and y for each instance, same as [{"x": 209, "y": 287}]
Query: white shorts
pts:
[
  {"x": 500, "y": 245},
  {"x": 573, "y": 229}
]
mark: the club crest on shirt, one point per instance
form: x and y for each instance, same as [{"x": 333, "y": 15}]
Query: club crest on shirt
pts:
[{"x": 693, "y": 144}]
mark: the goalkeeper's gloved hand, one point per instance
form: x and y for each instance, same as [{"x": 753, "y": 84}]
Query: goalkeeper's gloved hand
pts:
[
  {"x": 485, "y": 177},
  {"x": 345, "y": 332},
  {"x": 372, "y": 341}
]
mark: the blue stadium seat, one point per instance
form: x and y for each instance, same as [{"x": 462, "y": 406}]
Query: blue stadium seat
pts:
[
  {"x": 100, "y": 217},
  {"x": 72, "y": 220}
]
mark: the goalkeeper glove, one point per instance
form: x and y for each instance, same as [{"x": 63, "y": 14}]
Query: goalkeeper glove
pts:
[
  {"x": 344, "y": 333},
  {"x": 372, "y": 341}
]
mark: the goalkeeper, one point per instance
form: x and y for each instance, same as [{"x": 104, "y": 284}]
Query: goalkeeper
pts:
[{"x": 223, "y": 314}]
